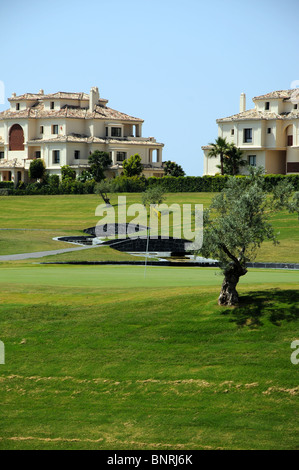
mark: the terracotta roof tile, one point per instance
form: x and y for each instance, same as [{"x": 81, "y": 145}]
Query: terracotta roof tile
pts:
[
  {"x": 252, "y": 114},
  {"x": 58, "y": 95},
  {"x": 89, "y": 140},
  {"x": 38, "y": 112},
  {"x": 280, "y": 94}
]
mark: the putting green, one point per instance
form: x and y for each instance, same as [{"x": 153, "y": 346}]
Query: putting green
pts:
[{"x": 134, "y": 276}]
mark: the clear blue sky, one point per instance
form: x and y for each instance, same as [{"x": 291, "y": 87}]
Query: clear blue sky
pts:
[{"x": 179, "y": 65}]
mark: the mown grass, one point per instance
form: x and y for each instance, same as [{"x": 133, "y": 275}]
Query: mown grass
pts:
[
  {"x": 70, "y": 214},
  {"x": 106, "y": 358},
  {"x": 31, "y": 241}
]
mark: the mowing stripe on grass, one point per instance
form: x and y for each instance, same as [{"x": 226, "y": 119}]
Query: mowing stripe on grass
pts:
[{"x": 132, "y": 276}]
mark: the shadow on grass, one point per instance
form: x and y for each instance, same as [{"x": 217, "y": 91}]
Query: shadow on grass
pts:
[{"x": 275, "y": 305}]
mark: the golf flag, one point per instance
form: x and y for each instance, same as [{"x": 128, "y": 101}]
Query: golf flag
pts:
[{"x": 156, "y": 212}]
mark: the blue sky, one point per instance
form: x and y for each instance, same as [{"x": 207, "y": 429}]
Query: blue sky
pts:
[{"x": 179, "y": 65}]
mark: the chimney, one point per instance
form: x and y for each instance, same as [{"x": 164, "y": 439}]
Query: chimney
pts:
[
  {"x": 41, "y": 92},
  {"x": 94, "y": 97},
  {"x": 13, "y": 95},
  {"x": 242, "y": 103}
]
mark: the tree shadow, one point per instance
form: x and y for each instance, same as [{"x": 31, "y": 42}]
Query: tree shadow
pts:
[{"x": 275, "y": 305}]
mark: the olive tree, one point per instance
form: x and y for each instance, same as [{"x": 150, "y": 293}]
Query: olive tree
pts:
[
  {"x": 154, "y": 195},
  {"x": 103, "y": 188},
  {"x": 237, "y": 223}
]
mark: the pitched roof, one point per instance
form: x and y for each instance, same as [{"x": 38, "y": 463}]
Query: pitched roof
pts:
[
  {"x": 280, "y": 94},
  {"x": 58, "y": 95},
  {"x": 37, "y": 111},
  {"x": 98, "y": 140},
  {"x": 253, "y": 114}
]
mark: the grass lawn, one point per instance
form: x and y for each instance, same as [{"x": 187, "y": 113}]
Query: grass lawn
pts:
[
  {"x": 70, "y": 214},
  {"x": 113, "y": 357},
  {"x": 106, "y": 358},
  {"x": 30, "y": 241}
]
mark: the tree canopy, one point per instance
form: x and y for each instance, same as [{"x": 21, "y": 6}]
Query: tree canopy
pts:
[
  {"x": 173, "y": 169},
  {"x": 237, "y": 223},
  {"x": 233, "y": 160},
  {"x": 154, "y": 195},
  {"x": 103, "y": 188},
  {"x": 219, "y": 148},
  {"x": 133, "y": 166},
  {"x": 99, "y": 161},
  {"x": 37, "y": 169}
]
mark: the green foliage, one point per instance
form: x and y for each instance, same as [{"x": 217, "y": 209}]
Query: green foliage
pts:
[
  {"x": 99, "y": 161},
  {"x": 67, "y": 173},
  {"x": 6, "y": 184},
  {"x": 169, "y": 184},
  {"x": 154, "y": 195},
  {"x": 37, "y": 169},
  {"x": 173, "y": 184},
  {"x": 173, "y": 169},
  {"x": 237, "y": 222},
  {"x": 233, "y": 160},
  {"x": 53, "y": 187},
  {"x": 85, "y": 176},
  {"x": 103, "y": 188},
  {"x": 219, "y": 149},
  {"x": 53, "y": 181},
  {"x": 124, "y": 184},
  {"x": 5, "y": 192},
  {"x": 133, "y": 166}
]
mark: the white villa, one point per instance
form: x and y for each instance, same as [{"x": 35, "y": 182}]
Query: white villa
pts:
[
  {"x": 64, "y": 129},
  {"x": 268, "y": 134}
]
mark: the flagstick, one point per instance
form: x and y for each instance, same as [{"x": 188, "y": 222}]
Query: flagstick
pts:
[{"x": 146, "y": 252}]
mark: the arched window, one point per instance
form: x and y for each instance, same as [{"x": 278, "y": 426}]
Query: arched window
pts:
[{"x": 16, "y": 138}]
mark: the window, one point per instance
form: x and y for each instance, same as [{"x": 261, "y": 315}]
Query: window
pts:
[
  {"x": 77, "y": 154},
  {"x": 116, "y": 131},
  {"x": 106, "y": 131},
  {"x": 41, "y": 129},
  {"x": 52, "y": 105},
  {"x": 267, "y": 105},
  {"x": 55, "y": 129},
  {"x": 1, "y": 155},
  {"x": 18, "y": 106},
  {"x": 269, "y": 130},
  {"x": 37, "y": 154},
  {"x": 295, "y": 106},
  {"x": 252, "y": 160},
  {"x": 290, "y": 140},
  {"x": 247, "y": 135},
  {"x": 121, "y": 156},
  {"x": 56, "y": 156},
  {"x": 232, "y": 132}
]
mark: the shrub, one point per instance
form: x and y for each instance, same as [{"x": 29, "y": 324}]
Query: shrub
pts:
[
  {"x": 6, "y": 184},
  {"x": 53, "y": 181},
  {"x": 135, "y": 184},
  {"x": 67, "y": 173},
  {"x": 128, "y": 184}
]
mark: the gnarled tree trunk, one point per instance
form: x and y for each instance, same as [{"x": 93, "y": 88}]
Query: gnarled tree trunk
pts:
[{"x": 229, "y": 294}]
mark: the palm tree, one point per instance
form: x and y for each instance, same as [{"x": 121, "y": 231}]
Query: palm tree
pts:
[
  {"x": 234, "y": 160},
  {"x": 220, "y": 148}
]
